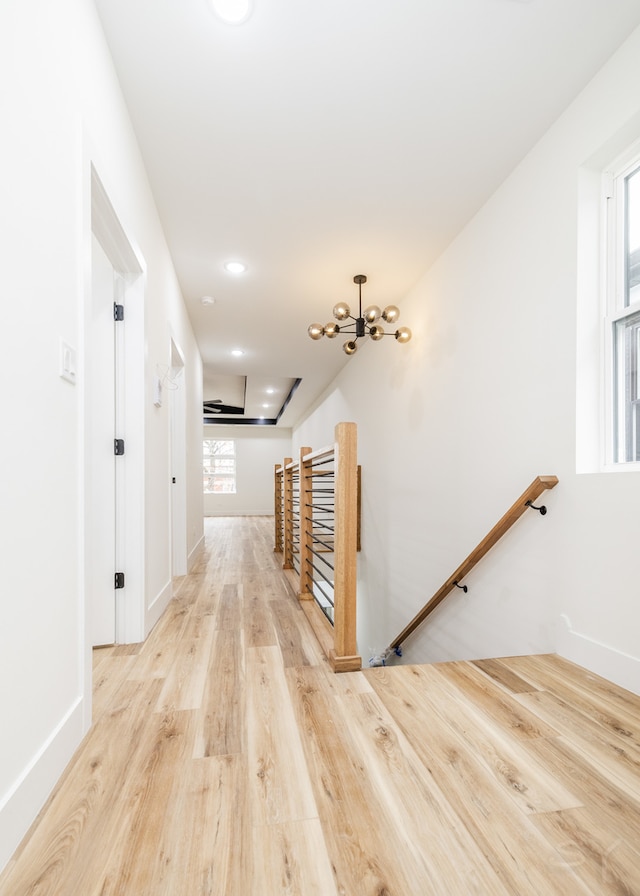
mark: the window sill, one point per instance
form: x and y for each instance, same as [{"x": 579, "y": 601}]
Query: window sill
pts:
[{"x": 633, "y": 467}]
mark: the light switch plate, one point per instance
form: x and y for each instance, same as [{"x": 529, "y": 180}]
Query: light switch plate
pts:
[
  {"x": 67, "y": 362},
  {"x": 157, "y": 392}
]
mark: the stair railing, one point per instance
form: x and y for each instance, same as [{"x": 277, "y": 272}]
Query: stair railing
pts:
[
  {"x": 321, "y": 531},
  {"x": 524, "y": 502}
]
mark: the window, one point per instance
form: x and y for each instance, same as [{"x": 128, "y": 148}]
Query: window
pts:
[
  {"x": 219, "y": 466},
  {"x": 623, "y": 311}
]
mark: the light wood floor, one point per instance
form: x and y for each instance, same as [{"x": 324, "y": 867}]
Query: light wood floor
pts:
[{"x": 226, "y": 759}]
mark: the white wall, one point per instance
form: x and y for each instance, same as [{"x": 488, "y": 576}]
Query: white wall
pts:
[
  {"x": 258, "y": 450},
  {"x": 454, "y": 426},
  {"x": 62, "y": 111}
]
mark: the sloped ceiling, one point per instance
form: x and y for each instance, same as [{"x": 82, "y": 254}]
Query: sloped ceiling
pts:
[{"x": 327, "y": 138}]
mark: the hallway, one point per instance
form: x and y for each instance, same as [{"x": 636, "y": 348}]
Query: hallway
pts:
[{"x": 226, "y": 759}]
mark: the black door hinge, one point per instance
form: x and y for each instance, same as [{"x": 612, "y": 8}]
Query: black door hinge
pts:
[
  {"x": 118, "y": 447},
  {"x": 119, "y": 580},
  {"x": 118, "y": 311}
]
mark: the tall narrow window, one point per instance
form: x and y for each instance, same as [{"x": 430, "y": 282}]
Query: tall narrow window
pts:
[
  {"x": 623, "y": 311},
  {"x": 219, "y": 466}
]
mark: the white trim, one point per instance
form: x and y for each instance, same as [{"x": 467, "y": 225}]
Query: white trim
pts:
[
  {"x": 157, "y": 606},
  {"x": 195, "y": 554},
  {"x": 632, "y": 466},
  {"x": 239, "y": 513},
  {"x": 602, "y": 659},
  {"x": 22, "y": 803}
]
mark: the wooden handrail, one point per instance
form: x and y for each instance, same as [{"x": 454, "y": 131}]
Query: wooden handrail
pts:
[{"x": 537, "y": 487}]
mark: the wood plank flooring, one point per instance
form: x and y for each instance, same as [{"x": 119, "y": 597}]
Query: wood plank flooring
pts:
[{"x": 226, "y": 759}]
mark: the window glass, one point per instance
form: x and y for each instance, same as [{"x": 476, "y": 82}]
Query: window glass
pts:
[
  {"x": 623, "y": 312},
  {"x": 219, "y": 466},
  {"x": 627, "y": 352}
]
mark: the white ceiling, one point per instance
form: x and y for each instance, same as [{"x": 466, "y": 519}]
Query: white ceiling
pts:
[{"x": 327, "y": 138}]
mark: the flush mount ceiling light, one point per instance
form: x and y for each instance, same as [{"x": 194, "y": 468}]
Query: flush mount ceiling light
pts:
[
  {"x": 365, "y": 322},
  {"x": 232, "y": 12},
  {"x": 237, "y": 352},
  {"x": 235, "y": 267}
]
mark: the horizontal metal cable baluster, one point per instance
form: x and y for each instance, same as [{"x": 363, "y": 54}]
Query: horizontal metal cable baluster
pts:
[
  {"x": 322, "y": 575},
  {"x": 323, "y": 549},
  {"x": 318, "y": 584},
  {"x": 325, "y": 544},
  {"x": 329, "y": 567},
  {"x": 326, "y": 520},
  {"x": 323, "y": 529}
]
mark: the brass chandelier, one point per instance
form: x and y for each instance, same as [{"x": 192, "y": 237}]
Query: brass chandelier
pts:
[{"x": 365, "y": 324}]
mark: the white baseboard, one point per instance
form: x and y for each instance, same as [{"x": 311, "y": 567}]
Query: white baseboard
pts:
[
  {"x": 157, "y": 607},
  {"x": 238, "y": 513},
  {"x": 193, "y": 556},
  {"x": 21, "y": 805},
  {"x": 604, "y": 660}
]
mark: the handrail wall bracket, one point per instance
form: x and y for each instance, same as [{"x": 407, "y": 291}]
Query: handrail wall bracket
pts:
[{"x": 542, "y": 509}]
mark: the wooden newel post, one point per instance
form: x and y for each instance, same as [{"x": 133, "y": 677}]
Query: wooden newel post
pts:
[
  {"x": 288, "y": 514},
  {"x": 345, "y": 656},
  {"x": 277, "y": 509},
  {"x": 306, "y": 526}
]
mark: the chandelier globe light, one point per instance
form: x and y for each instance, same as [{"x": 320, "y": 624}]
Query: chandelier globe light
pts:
[{"x": 367, "y": 323}]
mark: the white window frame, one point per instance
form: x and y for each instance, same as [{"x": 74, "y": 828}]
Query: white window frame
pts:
[
  {"x": 615, "y": 310},
  {"x": 231, "y": 476}
]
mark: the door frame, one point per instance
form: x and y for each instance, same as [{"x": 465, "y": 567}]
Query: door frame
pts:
[
  {"x": 104, "y": 223},
  {"x": 178, "y": 461}
]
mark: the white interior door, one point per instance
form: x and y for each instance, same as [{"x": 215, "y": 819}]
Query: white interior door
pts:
[
  {"x": 177, "y": 412},
  {"x": 100, "y": 361}
]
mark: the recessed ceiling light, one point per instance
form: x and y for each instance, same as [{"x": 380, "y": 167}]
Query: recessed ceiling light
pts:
[
  {"x": 207, "y": 300},
  {"x": 270, "y": 391},
  {"x": 232, "y": 12},
  {"x": 235, "y": 267},
  {"x": 265, "y": 405},
  {"x": 237, "y": 352}
]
